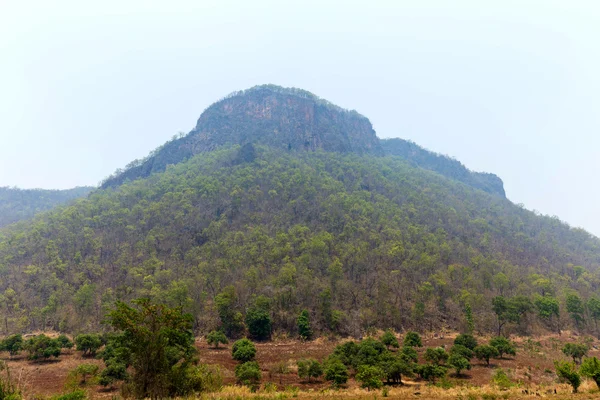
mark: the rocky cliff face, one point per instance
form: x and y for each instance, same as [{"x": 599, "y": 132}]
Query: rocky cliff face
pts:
[{"x": 289, "y": 119}]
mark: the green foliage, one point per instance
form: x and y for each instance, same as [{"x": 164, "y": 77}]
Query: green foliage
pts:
[
  {"x": 547, "y": 307},
  {"x": 248, "y": 373},
  {"x": 409, "y": 354},
  {"x": 504, "y": 346},
  {"x": 13, "y": 344},
  {"x": 78, "y": 394},
  {"x": 389, "y": 339},
  {"x": 303, "y": 323},
  {"x": 431, "y": 372},
  {"x": 160, "y": 343},
  {"x": 396, "y": 365},
  {"x": 466, "y": 340},
  {"x": 308, "y": 369},
  {"x": 436, "y": 355},
  {"x": 462, "y": 351},
  {"x": 8, "y": 389},
  {"x": 484, "y": 352},
  {"x": 576, "y": 351},
  {"x": 258, "y": 319},
  {"x": 510, "y": 310},
  {"x": 370, "y": 377},
  {"x": 114, "y": 371},
  {"x": 243, "y": 350},
  {"x": 82, "y": 375},
  {"x": 346, "y": 352},
  {"x": 590, "y": 368},
  {"x": 231, "y": 319},
  {"x": 64, "y": 342},
  {"x": 336, "y": 372},
  {"x": 214, "y": 338},
  {"x": 412, "y": 339},
  {"x": 575, "y": 308},
  {"x": 501, "y": 379},
  {"x": 42, "y": 347},
  {"x": 88, "y": 343},
  {"x": 567, "y": 372},
  {"x": 458, "y": 363}
]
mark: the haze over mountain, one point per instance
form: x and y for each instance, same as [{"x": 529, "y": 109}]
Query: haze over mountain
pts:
[{"x": 279, "y": 193}]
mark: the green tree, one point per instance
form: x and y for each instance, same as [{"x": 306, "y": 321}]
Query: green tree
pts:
[
  {"x": 412, "y": 339},
  {"x": 568, "y": 372},
  {"x": 576, "y": 309},
  {"x": 458, "y": 363},
  {"x": 548, "y": 309},
  {"x": 370, "y": 377},
  {"x": 308, "y": 369},
  {"x": 336, "y": 372},
  {"x": 466, "y": 340},
  {"x": 214, "y": 338},
  {"x": 160, "y": 342},
  {"x": 42, "y": 347},
  {"x": 88, "y": 343},
  {"x": 13, "y": 344},
  {"x": 462, "y": 351},
  {"x": 243, "y": 350},
  {"x": 64, "y": 342},
  {"x": 304, "y": 328},
  {"x": 436, "y": 355},
  {"x": 576, "y": 351},
  {"x": 590, "y": 368},
  {"x": 258, "y": 319},
  {"x": 484, "y": 352},
  {"x": 82, "y": 373},
  {"x": 431, "y": 372},
  {"x": 389, "y": 339},
  {"x": 510, "y": 310},
  {"x": 231, "y": 319},
  {"x": 248, "y": 373},
  {"x": 395, "y": 366},
  {"x": 504, "y": 346}
]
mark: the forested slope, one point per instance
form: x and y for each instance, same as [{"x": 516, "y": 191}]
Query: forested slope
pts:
[
  {"x": 359, "y": 240},
  {"x": 18, "y": 204}
]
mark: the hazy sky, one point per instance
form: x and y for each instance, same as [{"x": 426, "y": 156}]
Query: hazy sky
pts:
[{"x": 509, "y": 87}]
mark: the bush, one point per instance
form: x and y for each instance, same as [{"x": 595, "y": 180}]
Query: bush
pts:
[
  {"x": 42, "y": 347},
  {"x": 248, "y": 373},
  {"x": 336, "y": 372},
  {"x": 308, "y": 369},
  {"x": 88, "y": 343},
  {"x": 436, "y": 355},
  {"x": 466, "y": 340},
  {"x": 243, "y": 350},
  {"x": 370, "y": 377},
  {"x": 215, "y": 338},
  {"x": 459, "y": 363},
  {"x": 462, "y": 351},
  {"x": 74, "y": 395},
  {"x": 485, "y": 352},
  {"x": 501, "y": 379},
  {"x": 576, "y": 351},
  {"x": 504, "y": 346},
  {"x": 395, "y": 366},
  {"x": 81, "y": 375},
  {"x": 346, "y": 352},
  {"x": 64, "y": 342},
  {"x": 409, "y": 354},
  {"x": 412, "y": 339},
  {"x": 304, "y": 328},
  {"x": 431, "y": 372},
  {"x": 389, "y": 339},
  {"x": 13, "y": 344},
  {"x": 567, "y": 372},
  {"x": 114, "y": 371},
  {"x": 590, "y": 368},
  {"x": 369, "y": 353},
  {"x": 8, "y": 390},
  {"x": 196, "y": 379},
  {"x": 258, "y": 319}
]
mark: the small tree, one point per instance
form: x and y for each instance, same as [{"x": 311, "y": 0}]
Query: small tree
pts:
[
  {"x": 431, "y": 372},
  {"x": 304, "y": 329},
  {"x": 466, "y": 340},
  {"x": 243, "y": 350},
  {"x": 258, "y": 319},
  {"x": 216, "y": 337},
  {"x": 504, "y": 346},
  {"x": 114, "y": 371},
  {"x": 81, "y": 375},
  {"x": 13, "y": 344},
  {"x": 64, "y": 342},
  {"x": 590, "y": 368},
  {"x": 42, "y": 347},
  {"x": 370, "y": 377},
  {"x": 412, "y": 339},
  {"x": 576, "y": 351},
  {"x": 567, "y": 371},
  {"x": 395, "y": 366},
  {"x": 88, "y": 343},
  {"x": 485, "y": 352},
  {"x": 389, "y": 339},
  {"x": 248, "y": 373},
  {"x": 308, "y": 369},
  {"x": 409, "y": 354},
  {"x": 436, "y": 355},
  {"x": 336, "y": 372},
  {"x": 461, "y": 351},
  {"x": 458, "y": 363}
]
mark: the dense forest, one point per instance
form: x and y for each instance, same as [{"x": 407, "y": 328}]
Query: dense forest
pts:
[
  {"x": 18, "y": 204},
  {"x": 359, "y": 241}
]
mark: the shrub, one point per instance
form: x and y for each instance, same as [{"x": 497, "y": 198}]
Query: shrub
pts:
[
  {"x": 504, "y": 346},
  {"x": 248, "y": 373},
  {"x": 81, "y": 375},
  {"x": 395, "y": 366},
  {"x": 389, "y": 339},
  {"x": 590, "y": 368},
  {"x": 370, "y": 377},
  {"x": 308, "y": 369},
  {"x": 304, "y": 328},
  {"x": 74, "y": 395},
  {"x": 462, "y": 351},
  {"x": 409, "y": 354},
  {"x": 501, "y": 379},
  {"x": 42, "y": 347},
  {"x": 436, "y": 355},
  {"x": 214, "y": 338},
  {"x": 346, "y": 352},
  {"x": 336, "y": 372},
  {"x": 114, "y": 371},
  {"x": 576, "y": 351},
  {"x": 64, "y": 342},
  {"x": 412, "y": 339},
  {"x": 243, "y": 350},
  {"x": 13, "y": 344},
  {"x": 464, "y": 339},
  {"x": 458, "y": 363},
  {"x": 485, "y": 352},
  {"x": 88, "y": 343},
  {"x": 258, "y": 319},
  {"x": 369, "y": 353},
  {"x": 8, "y": 390},
  {"x": 431, "y": 372},
  {"x": 567, "y": 371}
]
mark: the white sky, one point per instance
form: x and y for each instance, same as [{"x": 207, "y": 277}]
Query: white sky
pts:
[{"x": 509, "y": 87}]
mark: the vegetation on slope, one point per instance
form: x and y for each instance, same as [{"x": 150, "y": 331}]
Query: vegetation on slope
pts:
[
  {"x": 19, "y": 204},
  {"x": 358, "y": 241}
]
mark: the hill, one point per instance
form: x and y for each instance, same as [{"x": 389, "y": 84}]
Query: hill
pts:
[
  {"x": 360, "y": 241},
  {"x": 18, "y": 204}
]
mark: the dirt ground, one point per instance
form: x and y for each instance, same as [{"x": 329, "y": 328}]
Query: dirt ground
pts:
[{"x": 533, "y": 366}]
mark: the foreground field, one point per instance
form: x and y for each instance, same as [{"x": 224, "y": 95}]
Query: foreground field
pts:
[{"x": 532, "y": 369}]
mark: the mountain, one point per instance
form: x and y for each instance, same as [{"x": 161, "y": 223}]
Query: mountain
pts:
[
  {"x": 444, "y": 165},
  {"x": 360, "y": 238},
  {"x": 18, "y": 204}
]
